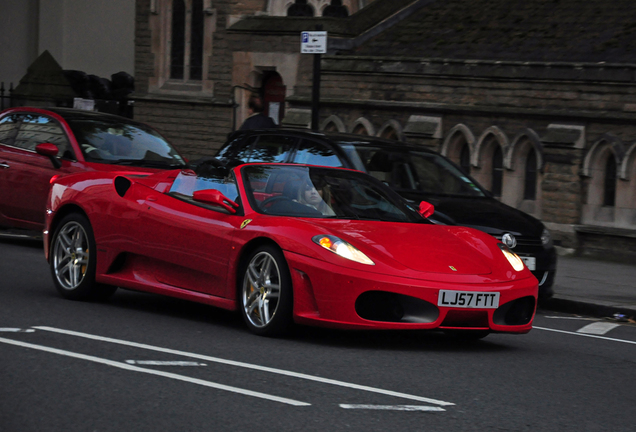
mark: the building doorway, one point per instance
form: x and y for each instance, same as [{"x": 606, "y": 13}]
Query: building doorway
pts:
[{"x": 274, "y": 96}]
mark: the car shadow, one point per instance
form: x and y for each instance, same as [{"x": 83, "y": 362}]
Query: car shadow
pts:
[
  {"x": 390, "y": 340},
  {"x": 395, "y": 340}
]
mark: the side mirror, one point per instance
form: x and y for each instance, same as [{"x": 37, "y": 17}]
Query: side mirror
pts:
[
  {"x": 426, "y": 209},
  {"x": 213, "y": 196},
  {"x": 49, "y": 150}
]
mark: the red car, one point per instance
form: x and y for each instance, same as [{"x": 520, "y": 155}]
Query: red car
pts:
[
  {"x": 283, "y": 243},
  {"x": 38, "y": 144}
]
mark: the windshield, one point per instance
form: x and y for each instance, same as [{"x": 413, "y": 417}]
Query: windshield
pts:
[
  {"x": 413, "y": 171},
  {"x": 323, "y": 193},
  {"x": 124, "y": 144}
]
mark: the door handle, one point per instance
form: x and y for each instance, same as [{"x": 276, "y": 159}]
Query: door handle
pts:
[
  {"x": 151, "y": 198},
  {"x": 4, "y": 165}
]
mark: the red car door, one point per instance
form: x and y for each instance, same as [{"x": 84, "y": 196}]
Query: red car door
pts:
[
  {"x": 183, "y": 243},
  {"x": 24, "y": 174}
]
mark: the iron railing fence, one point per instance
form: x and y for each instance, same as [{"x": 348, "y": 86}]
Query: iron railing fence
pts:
[{"x": 122, "y": 107}]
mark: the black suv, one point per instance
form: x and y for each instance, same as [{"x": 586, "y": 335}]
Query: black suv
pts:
[{"x": 415, "y": 173}]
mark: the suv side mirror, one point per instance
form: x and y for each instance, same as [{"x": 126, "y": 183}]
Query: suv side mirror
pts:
[
  {"x": 213, "y": 196},
  {"x": 426, "y": 209},
  {"x": 49, "y": 150}
]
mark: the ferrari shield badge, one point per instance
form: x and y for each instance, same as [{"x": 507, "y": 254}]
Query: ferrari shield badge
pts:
[
  {"x": 245, "y": 223},
  {"x": 452, "y": 268}
]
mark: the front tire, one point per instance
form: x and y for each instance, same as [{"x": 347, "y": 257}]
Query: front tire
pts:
[
  {"x": 266, "y": 292},
  {"x": 73, "y": 260}
]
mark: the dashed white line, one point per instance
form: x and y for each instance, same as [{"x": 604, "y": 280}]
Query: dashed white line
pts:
[
  {"x": 598, "y": 328},
  {"x": 156, "y": 372},
  {"x": 249, "y": 366},
  {"x": 392, "y": 407},
  {"x": 15, "y": 330},
  {"x": 164, "y": 363}
]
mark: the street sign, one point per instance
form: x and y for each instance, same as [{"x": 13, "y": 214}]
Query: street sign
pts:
[{"x": 314, "y": 42}]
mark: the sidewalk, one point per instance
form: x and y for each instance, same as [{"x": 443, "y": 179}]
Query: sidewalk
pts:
[{"x": 593, "y": 287}]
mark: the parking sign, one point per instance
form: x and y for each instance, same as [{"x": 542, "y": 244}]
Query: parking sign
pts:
[{"x": 313, "y": 42}]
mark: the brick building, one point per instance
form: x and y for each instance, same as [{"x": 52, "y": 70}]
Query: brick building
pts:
[{"x": 535, "y": 98}]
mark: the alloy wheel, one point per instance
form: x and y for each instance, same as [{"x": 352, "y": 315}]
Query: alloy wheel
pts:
[
  {"x": 71, "y": 255},
  {"x": 261, "y": 289}
]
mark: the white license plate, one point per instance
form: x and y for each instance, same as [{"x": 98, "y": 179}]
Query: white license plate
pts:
[
  {"x": 530, "y": 262},
  {"x": 468, "y": 299}
]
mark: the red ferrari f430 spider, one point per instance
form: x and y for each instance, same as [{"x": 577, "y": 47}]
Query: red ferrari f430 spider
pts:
[{"x": 283, "y": 244}]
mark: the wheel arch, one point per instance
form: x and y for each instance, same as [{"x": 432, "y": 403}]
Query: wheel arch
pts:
[
  {"x": 245, "y": 252},
  {"x": 61, "y": 214}
]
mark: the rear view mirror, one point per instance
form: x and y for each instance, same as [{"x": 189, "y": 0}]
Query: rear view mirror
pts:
[
  {"x": 49, "y": 150},
  {"x": 426, "y": 209},
  {"x": 213, "y": 196}
]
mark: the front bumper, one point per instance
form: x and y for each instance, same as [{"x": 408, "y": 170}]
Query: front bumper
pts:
[{"x": 329, "y": 295}]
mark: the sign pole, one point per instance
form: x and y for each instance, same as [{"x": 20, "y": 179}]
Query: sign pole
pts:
[
  {"x": 315, "y": 93},
  {"x": 314, "y": 43}
]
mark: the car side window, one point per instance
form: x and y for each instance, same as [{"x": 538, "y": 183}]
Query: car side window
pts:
[
  {"x": 272, "y": 148},
  {"x": 37, "y": 129},
  {"x": 243, "y": 153},
  {"x": 9, "y": 126},
  {"x": 207, "y": 177},
  {"x": 314, "y": 153}
]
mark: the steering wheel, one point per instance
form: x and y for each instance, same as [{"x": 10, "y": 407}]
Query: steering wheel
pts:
[{"x": 268, "y": 202}]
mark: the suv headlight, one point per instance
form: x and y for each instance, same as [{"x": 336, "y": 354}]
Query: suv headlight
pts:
[{"x": 546, "y": 238}]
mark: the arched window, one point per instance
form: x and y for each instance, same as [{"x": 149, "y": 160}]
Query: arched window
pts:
[
  {"x": 609, "y": 182},
  {"x": 360, "y": 130},
  {"x": 464, "y": 158},
  {"x": 530, "y": 177},
  {"x": 300, "y": 8},
  {"x": 187, "y": 32},
  {"x": 497, "y": 172},
  {"x": 389, "y": 133},
  {"x": 331, "y": 127}
]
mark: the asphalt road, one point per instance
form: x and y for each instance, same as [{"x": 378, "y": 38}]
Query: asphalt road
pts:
[{"x": 147, "y": 363}]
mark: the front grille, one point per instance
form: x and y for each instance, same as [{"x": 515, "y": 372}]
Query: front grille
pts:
[{"x": 393, "y": 307}]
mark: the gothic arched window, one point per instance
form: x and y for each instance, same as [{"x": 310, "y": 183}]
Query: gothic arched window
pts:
[
  {"x": 186, "y": 50},
  {"x": 497, "y": 172},
  {"x": 464, "y": 158},
  {"x": 609, "y": 182},
  {"x": 530, "y": 177}
]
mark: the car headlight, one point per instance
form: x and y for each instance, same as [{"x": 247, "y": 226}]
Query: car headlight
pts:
[
  {"x": 546, "y": 238},
  {"x": 342, "y": 248},
  {"x": 512, "y": 257}
]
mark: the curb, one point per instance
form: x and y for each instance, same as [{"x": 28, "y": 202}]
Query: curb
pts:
[{"x": 584, "y": 308}]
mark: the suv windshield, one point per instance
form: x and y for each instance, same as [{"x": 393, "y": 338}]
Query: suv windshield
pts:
[
  {"x": 323, "y": 193},
  {"x": 413, "y": 171},
  {"x": 124, "y": 144}
]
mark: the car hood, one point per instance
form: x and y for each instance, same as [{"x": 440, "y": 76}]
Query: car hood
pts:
[
  {"x": 484, "y": 214},
  {"x": 419, "y": 247}
]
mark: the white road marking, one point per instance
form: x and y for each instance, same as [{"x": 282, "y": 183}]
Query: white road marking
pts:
[
  {"x": 249, "y": 366},
  {"x": 392, "y": 407},
  {"x": 164, "y": 363},
  {"x": 598, "y": 328},
  {"x": 586, "y": 335},
  {"x": 155, "y": 372},
  {"x": 572, "y": 318},
  {"x": 15, "y": 330}
]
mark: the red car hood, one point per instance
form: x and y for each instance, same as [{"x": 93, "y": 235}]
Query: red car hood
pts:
[{"x": 420, "y": 247}]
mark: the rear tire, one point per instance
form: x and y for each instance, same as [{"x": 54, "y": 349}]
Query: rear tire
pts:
[
  {"x": 73, "y": 260},
  {"x": 266, "y": 292}
]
